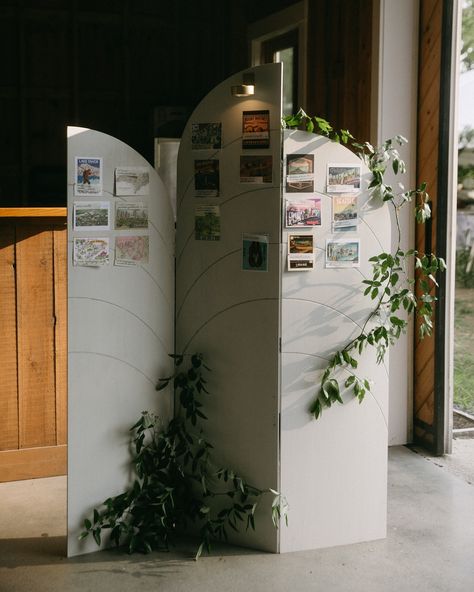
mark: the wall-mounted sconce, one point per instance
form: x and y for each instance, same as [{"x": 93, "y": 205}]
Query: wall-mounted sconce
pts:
[{"x": 247, "y": 87}]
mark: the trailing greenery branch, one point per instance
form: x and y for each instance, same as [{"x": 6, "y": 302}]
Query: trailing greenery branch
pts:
[
  {"x": 176, "y": 479},
  {"x": 390, "y": 288}
]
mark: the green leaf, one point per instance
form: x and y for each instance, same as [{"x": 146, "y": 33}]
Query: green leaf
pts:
[
  {"x": 316, "y": 408},
  {"x": 350, "y": 381},
  {"x": 96, "y": 535}
]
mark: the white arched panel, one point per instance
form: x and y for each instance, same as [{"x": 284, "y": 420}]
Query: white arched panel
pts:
[
  {"x": 231, "y": 315},
  {"x": 120, "y": 332},
  {"x": 333, "y": 470}
]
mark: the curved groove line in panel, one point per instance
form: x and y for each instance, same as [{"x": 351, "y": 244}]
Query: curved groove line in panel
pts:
[
  {"x": 183, "y": 250},
  {"x": 372, "y": 231},
  {"x": 155, "y": 281},
  {"x": 185, "y": 192},
  {"x": 324, "y": 358},
  {"x": 148, "y": 273},
  {"x": 216, "y": 153},
  {"x": 108, "y": 303},
  {"x": 324, "y": 305},
  {"x": 165, "y": 243},
  {"x": 185, "y": 246},
  {"x": 200, "y": 276},
  {"x": 217, "y": 314},
  {"x": 335, "y": 310},
  {"x": 180, "y": 254},
  {"x": 100, "y": 354},
  {"x": 248, "y": 191},
  {"x": 345, "y": 370}
]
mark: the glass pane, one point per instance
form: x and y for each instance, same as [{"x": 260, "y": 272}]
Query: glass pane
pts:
[{"x": 286, "y": 57}]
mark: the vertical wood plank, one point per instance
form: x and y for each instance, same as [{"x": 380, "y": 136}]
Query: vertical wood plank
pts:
[
  {"x": 427, "y": 170},
  {"x": 60, "y": 311},
  {"x": 37, "y": 402},
  {"x": 9, "y": 386},
  {"x": 339, "y": 67}
]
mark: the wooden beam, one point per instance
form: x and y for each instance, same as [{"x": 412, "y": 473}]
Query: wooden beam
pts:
[
  {"x": 33, "y": 212},
  {"x": 33, "y": 463}
]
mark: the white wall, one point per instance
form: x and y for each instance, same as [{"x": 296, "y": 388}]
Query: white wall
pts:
[
  {"x": 120, "y": 332},
  {"x": 397, "y": 72}
]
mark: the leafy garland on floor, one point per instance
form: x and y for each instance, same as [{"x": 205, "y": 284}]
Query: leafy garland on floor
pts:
[
  {"x": 177, "y": 481},
  {"x": 390, "y": 286}
]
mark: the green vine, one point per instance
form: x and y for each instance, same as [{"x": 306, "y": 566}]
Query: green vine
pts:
[
  {"x": 390, "y": 287},
  {"x": 177, "y": 480}
]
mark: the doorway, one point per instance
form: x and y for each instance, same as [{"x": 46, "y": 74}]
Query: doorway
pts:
[{"x": 463, "y": 403}]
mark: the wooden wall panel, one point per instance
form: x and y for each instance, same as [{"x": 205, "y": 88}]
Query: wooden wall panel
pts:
[
  {"x": 107, "y": 64},
  {"x": 33, "y": 341},
  {"x": 46, "y": 49},
  {"x": 427, "y": 170},
  {"x": 35, "y": 313},
  {"x": 60, "y": 333},
  {"x": 8, "y": 397},
  {"x": 434, "y": 140},
  {"x": 339, "y": 63}
]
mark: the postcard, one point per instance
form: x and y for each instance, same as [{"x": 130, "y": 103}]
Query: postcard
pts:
[
  {"x": 300, "y": 244},
  {"x": 300, "y": 252},
  {"x": 207, "y": 223},
  {"x": 255, "y": 129},
  {"x": 88, "y": 179},
  {"x": 255, "y": 252},
  {"x": 343, "y": 178},
  {"x": 132, "y": 180},
  {"x": 206, "y": 136},
  {"x": 91, "y": 215},
  {"x": 206, "y": 178},
  {"x": 300, "y": 264},
  {"x": 131, "y": 250},
  {"x": 343, "y": 252},
  {"x": 91, "y": 252},
  {"x": 256, "y": 169},
  {"x": 131, "y": 215},
  {"x": 299, "y": 173},
  {"x": 344, "y": 212},
  {"x": 303, "y": 213}
]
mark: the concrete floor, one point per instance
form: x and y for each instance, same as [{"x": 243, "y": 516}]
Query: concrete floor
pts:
[{"x": 429, "y": 547}]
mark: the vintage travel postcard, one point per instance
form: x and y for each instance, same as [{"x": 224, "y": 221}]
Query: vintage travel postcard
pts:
[
  {"x": 91, "y": 215},
  {"x": 206, "y": 178},
  {"x": 303, "y": 213},
  {"x": 343, "y": 178},
  {"x": 299, "y": 173},
  {"x": 88, "y": 176},
  {"x": 131, "y": 215},
  {"x": 207, "y": 223},
  {"x": 343, "y": 252},
  {"x": 300, "y": 252},
  {"x": 256, "y": 169},
  {"x": 344, "y": 211},
  {"x": 131, "y": 250},
  {"x": 206, "y": 136},
  {"x": 91, "y": 252},
  {"x": 256, "y": 129},
  {"x": 132, "y": 180}
]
